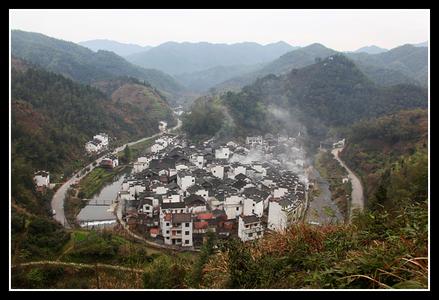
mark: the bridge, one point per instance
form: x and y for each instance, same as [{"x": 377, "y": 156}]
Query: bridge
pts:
[{"x": 101, "y": 202}]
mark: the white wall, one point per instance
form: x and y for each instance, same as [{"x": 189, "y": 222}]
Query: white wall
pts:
[
  {"x": 217, "y": 171},
  {"x": 185, "y": 182},
  {"x": 232, "y": 206},
  {"x": 277, "y": 219}
]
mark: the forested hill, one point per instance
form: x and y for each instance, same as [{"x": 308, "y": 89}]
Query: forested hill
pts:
[
  {"x": 390, "y": 153},
  {"x": 332, "y": 92},
  {"x": 52, "y": 117},
  {"x": 82, "y": 64},
  {"x": 406, "y": 64}
]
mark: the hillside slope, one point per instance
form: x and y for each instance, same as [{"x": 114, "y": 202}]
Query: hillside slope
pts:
[
  {"x": 332, "y": 92},
  {"x": 52, "y": 118},
  {"x": 82, "y": 64},
  {"x": 382, "y": 149}
]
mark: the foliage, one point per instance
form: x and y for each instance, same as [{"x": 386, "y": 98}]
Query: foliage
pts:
[
  {"x": 127, "y": 157},
  {"x": 206, "y": 251},
  {"x": 388, "y": 153},
  {"x": 332, "y": 92},
  {"x": 165, "y": 273},
  {"x": 39, "y": 237},
  {"x": 205, "y": 119},
  {"x": 379, "y": 250}
]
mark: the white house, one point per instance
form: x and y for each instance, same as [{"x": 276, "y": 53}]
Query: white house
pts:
[
  {"x": 141, "y": 164},
  {"x": 147, "y": 207},
  {"x": 195, "y": 204},
  {"x": 279, "y": 192},
  {"x": 235, "y": 170},
  {"x": 160, "y": 190},
  {"x": 217, "y": 171},
  {"x": 42, "y": 179},
  {"x": 174, "y": 198},
  {"x": 232, "y": 144},
  {"x": 260, "y": 169},
  {"x": 233, "y": 206},
  {"x": 163, "y": 126},
  {"x": 103, "y": 137},
  {"x": 339, "y": 144},
  {"x": 177, "y": 229},
  {"x": 198, "y": 160},
  {"x": 92, "y": 146},
  {"x": 185, "y": 179},
  {"x": 284, "y": 212},
  {"x": 252, "y": 140},
  {"x": 222, "y": 153},
  {"x": 250, "y": 228}
]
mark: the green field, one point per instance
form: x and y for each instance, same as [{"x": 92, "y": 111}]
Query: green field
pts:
[{"x": 95, "y": 180}]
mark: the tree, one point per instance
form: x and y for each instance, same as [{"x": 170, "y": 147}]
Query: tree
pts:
[{"x": 127, "y": 154}]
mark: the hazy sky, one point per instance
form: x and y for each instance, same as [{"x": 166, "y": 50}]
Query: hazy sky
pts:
[{"x": 342, "y": 30}]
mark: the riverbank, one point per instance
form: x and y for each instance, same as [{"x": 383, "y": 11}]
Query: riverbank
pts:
[{"x": 330, "y": 169}]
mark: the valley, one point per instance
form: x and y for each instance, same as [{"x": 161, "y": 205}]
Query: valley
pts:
[{"x": 211, "y": 165}]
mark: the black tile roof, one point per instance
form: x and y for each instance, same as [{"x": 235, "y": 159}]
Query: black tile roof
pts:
[
  {"x": 250, "y": 219},
  {"x": 181, "y": 218}
]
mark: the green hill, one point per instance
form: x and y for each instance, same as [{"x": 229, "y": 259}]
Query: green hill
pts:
[
  {"x": 402, "y": 65},
  {"x": 330, "y": 93},
  {"x": 53, "y": 117},
  {"x": 82, "y": 64},
  {"x": 388, "y": 153}
]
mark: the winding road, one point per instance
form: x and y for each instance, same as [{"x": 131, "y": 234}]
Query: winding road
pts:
[
  {"x": 59, "y": 196},
  {"x": 357, "y": 198}
]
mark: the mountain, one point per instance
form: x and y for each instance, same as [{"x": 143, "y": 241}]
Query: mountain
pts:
[
  {"x": 121, "y": 49},
  {"x": 178, "y": 58},
  {"x": 371, "y": 49},
  {"x": 82, "y": 64},
  {"x": 423, "y": 44},
  {"x": 201, "y": 81},
  {"x": 407, "y": 59},
  {"x": 402, "y": 65},
  {"x": 292, "y": 60},
  {"x": 330, "y": 93}
]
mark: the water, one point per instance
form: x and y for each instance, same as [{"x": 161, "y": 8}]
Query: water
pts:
[{"x": 97, "y": 213}]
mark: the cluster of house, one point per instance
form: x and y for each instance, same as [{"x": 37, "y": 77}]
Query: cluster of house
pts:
[
  {"x": 179, "y": 192},
  {"x": 98, "y": 144}
]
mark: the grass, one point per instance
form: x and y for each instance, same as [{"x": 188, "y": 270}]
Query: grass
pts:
[
  {"x": 138, "y": 149},
  {"x": 72, "y": 207},
  {"x": 95, "y": 180}
]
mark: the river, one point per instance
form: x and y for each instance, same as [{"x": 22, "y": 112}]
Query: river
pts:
[{"x": 98, "y": 211}]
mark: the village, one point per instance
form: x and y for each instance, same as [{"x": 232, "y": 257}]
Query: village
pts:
[{"x": 181, "y": 191}]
